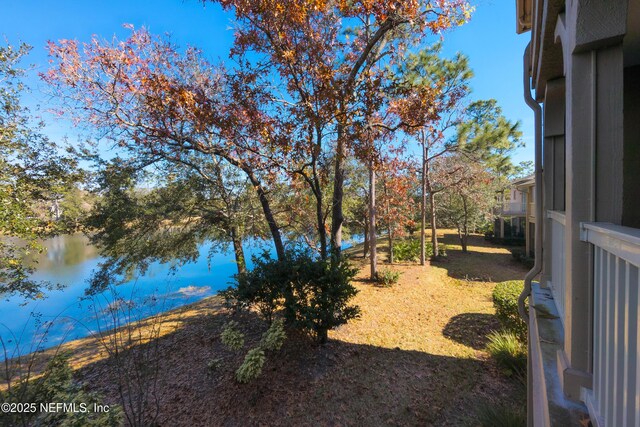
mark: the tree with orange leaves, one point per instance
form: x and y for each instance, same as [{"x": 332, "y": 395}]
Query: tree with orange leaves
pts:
[
  {"x": 166, "y": 108},
  {"x": 397, "y": 199},
  {"x": 325, "y": 52},
  {"x": 305, "y": 74}
]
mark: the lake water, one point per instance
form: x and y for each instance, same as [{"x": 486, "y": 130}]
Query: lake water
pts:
[{"x": 66, "y": 314}]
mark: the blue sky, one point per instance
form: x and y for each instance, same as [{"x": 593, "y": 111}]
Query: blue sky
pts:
[{"x": 489, "y": 40}]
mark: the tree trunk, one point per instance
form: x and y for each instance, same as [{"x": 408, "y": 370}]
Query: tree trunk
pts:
[
  {"x": 264, "y": 202},
  {"x": 373, "y": 243},
  {"x": 238, "y": 251},
  {"x": 268, "y": 215},
  {"x": 465, "y": 228},
  {"x": 423, "y": 207},
  {"x": 434, "y": 229},
  {"x": 323, "y": 335},
  {"x": 320, "y": 218},
  {"x": 365, "y": 250},
  {"x": 390, "y": 229},
  {"x": 337, "y": 217},
  {"x": 322, "y": 231}
]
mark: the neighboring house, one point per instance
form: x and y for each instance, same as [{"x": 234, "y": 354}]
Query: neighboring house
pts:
[
  {"x": 527, "y": 187},
  {"x": 583, "y": 65},
  {"x": 515, "y": 217}
]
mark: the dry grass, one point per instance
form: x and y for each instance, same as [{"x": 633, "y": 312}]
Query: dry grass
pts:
[{"x": 415, "y": 357}]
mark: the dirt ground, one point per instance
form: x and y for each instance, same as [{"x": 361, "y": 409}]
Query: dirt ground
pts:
[{"x": 414, "y": 358}]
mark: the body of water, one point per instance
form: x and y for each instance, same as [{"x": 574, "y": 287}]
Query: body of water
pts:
[{"x": 67, "y": 314}]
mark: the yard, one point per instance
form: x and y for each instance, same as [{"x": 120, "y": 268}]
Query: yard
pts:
[{"x": 414, "y": 357}]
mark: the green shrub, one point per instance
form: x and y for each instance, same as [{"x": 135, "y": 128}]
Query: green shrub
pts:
[
  {"x": 274, "y": 337},
  {"x": 443, "y": 249},
  {"x": 214, "y": 364},
  {"x": 251, "y": 368},
  {"x": 263, "y": 286},
  {"x": 509, "y": 353},
  {"x": 313, "y": 293},
  {"x": 501, "y": 416},
  {"x": 485, "y": 228},
  {"x": 521, "y": 256},
  {"x": 388, "y": 277},
  {"x": 57, "y": 385},
  {"x": 409, "y": 250},
  {"x": 505, "y": 301},
  {"x": 255, "y": 358},
  {"x": 231, "y": 337}
]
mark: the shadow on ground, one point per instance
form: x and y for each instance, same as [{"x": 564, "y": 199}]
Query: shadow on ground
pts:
[
  {"x": 471, "y": 329},
  {"x": 340, "y": 383},
  {"x": 474, "y": 264}
]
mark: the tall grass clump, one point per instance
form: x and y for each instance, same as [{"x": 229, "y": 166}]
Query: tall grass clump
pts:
[
  {"x": 505, "y": 300},
  {"x": 509, "y": 353},
  {"x": 388, "y": 278},
  {"x": 501, "y": 416}
]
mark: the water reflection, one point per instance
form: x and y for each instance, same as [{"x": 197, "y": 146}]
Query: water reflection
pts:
[
  {"x": 63, "y": 252},
  {"x": 67, "y": 314}
]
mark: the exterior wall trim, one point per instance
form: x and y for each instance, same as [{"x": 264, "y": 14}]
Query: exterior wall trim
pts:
[
  {"x": 621, "y": 241},
  {"x": 557, "y": 216},
  {"x": 596, "y": 421}
]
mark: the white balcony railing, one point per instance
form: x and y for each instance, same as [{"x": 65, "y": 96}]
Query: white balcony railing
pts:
[
  {"x": 512, "y": 208},
  {"x": 615, "y": 398},
  {"x": 557, "y": 285}
]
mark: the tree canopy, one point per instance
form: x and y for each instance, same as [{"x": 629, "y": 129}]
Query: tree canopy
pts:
[{"x": 33, "y": 172}]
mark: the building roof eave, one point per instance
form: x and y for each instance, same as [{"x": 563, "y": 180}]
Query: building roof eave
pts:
[{"x": 523, "y": 15}]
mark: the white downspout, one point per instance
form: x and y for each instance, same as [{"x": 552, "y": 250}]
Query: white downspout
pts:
[{"x": 537, "y": 111}]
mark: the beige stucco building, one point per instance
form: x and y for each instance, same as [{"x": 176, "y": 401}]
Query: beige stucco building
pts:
[
  {"x": 582, "y": 81},
  {"x": 515, "y": 216}
]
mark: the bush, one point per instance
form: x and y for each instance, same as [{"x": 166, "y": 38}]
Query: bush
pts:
[
  {"x": 505, "y": 301},
  {"x": 486, "y": 228},
  {"x": 443, "y": 249},
  {"x": 509, "y": 353},
  {"x": 251, "y": 368},
  {"x": 320, "y": 295},
  {"x": 312, "y": 293},
  {"x": 388, "y": 277},
  {"x": 255, "y": 358},
  {"x": 409, "y": 250},
  {"x": 57, "y": 385},
  {"x": 231, "y": 337},
  {"x": 274, "y": 337},
  {"x": 521, "y": 256},
  {"x": 214, "y": 364},
  {"x": 263, "y": 286},
  {"x": 501, "y": 416}
]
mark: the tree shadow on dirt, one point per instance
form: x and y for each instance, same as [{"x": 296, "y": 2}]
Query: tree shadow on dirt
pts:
[
  {"x": 478, "y": 266},
  {"x": 470, "y": 329},
  {"x": 340, "y": 383}
]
